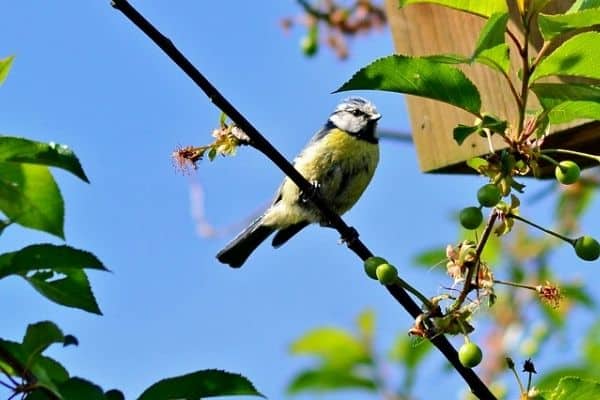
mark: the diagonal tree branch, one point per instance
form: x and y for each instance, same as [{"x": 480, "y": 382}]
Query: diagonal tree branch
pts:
[{"x": 348, "y": 234}]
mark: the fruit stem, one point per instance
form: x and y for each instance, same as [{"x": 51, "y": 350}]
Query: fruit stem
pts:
[
  {"x": 551, "y": 160},
  {"x": 572, "y": 152},
  {"x": 406, "y": 286},
  {"x": 521, "y": 387},
  {"x": 514, "y": 284},
  {"x": 548, "y": 231}
]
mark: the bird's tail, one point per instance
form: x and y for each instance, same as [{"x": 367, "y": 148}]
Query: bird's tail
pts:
[{"x": 239, "y": 249}]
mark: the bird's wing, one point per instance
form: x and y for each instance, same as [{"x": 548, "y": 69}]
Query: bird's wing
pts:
[{"x": 321, "y": 133}]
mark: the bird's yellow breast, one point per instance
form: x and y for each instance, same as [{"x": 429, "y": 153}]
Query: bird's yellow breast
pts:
[{"x": 342, "y": 166}]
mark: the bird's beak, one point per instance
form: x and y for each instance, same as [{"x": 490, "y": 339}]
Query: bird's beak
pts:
[{"x": 375, "y": 117}]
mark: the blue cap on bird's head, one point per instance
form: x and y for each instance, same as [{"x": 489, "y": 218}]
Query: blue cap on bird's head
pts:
[
  {"x": 356, "y": 116},
  {"x": 356, "y": 105}
]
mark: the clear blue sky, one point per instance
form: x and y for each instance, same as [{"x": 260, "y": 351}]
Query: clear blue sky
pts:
[{"x": 86, "y": 77}]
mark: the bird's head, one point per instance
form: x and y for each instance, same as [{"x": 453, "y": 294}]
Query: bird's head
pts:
[{"x": 356, "y": 116}]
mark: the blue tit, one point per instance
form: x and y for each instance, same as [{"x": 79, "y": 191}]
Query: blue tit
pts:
[{"x": 339, "y": 161}]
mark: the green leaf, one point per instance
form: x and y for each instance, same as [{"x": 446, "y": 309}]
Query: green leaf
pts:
[
  {"x": 206, "y": 383},
  {"x": 572, "y": 387},
  {"x": 571, "y": 110},
  {"x": 578, "y": 56},
  {"x": 550, "y": 380},
  {"x": 5, "y": 65},
  {"x": 552, "y": 94},
  {"x": 72, "y": 291},
  {"x": 40, "y": 336},
  {"x": 491, "y": 48},
  {"x": 554, "y": 25},
  {"x": 419, "y": 77},
  {"x": 591, "y": 345},
  {"x": 324, "y": 380},
  {"x": 431, "y": 258},
  {"x": 477, "y": 7},
  {"x": 30, "y": 197},
  {"x": 79, "y": 389},
  {"x": 336, "y": 347},
  {"x": 577, "y": 292},
  {"x": 114, "y": 394},
  {"x": 462, "y": 132},
  {"x": 580, "y": 5},
  {"x": 366, "y": 324},
  {"x": 55, "y": 371},
  {"x": 40, "y": 257},
  {"x": 15, "y": 353},
  {"x": 21, "y": 150},
  {"x": 448, "y": 58},
  {"x": 409, "y": 351}
]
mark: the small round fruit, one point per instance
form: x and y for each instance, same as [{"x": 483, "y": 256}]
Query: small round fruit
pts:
[
  {"x": 567, "y": 172},
  {"x": 489, "y": 195},
  {"x": 470, "y": 217},
  {"x": 587, "y": 248},
  {"x": 371, "y": 265},
  {"x": 386, "y": 273},
  {"x": 470, "y": 355},
  {"x": 309, "y": 46}
]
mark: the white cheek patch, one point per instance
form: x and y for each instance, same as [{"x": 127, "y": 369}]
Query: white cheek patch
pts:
[{"x": 347, "y": 122}]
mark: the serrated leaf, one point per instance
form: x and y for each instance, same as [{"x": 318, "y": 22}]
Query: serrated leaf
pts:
[
  {"x": 30, "y": 197},
  {"x": 491, "y": 48},
  {"x": 550, "y": 380},
  {"x": 572, "y": 110},
  {"x": 39, "y": 257},
  {"x": 420, "y": 77},
  {"x": 578, "y": 56},
  {"x": 554, "y": 25},
  {"x": 21, "y": 150},
  {"x": 324, "y": 380},
  {"x": 73, "y": 290},
  {"x": 20, "y": 356},
  {"x": 206, "y": 383},
  {"x": 40, "y": 336},
  {"x": 336, "y": 347},
  {"x": 5, "y": 65},
  {"x": 448, "y": 58},
  {"x": 477, "y": 7},
  {"x": 461, "y": 132},
  {"x": 580, "y": 5},
  {"x": 552, "y": 94},
  {"x": 572, "y": 387}
]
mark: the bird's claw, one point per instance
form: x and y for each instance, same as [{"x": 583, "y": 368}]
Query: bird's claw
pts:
[
  {"x": 306, "y": 197},
  {"x": 350, "y": 236}
]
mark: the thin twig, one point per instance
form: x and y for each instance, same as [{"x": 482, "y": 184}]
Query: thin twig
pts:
[
  {"x": 348, "y": 234},
  {"x": 541, "y": 228},
  {"x": 473, "y": 266}
]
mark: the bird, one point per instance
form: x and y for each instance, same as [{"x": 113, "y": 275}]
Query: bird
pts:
[{"x": 339, "y": 162}]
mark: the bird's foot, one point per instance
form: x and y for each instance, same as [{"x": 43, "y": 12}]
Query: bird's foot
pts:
[{"x": 306, "y": 197}]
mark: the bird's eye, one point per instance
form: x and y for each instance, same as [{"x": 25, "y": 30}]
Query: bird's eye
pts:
[{"x": 356, "y": 113}]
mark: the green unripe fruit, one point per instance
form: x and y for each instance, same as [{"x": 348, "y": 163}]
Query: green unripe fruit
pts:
[
  {"x": 470, "y": 217},
  {"x": 309, "y": 46},
  {"x": 489, "y": 195},
  {"x": 387, "y": 274},
  {"x": 587, "y": 248},
  {"x": 371, "y": 265},
  {"x": 567, "y": 172},
  {"x": 470, "y": 355}
]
